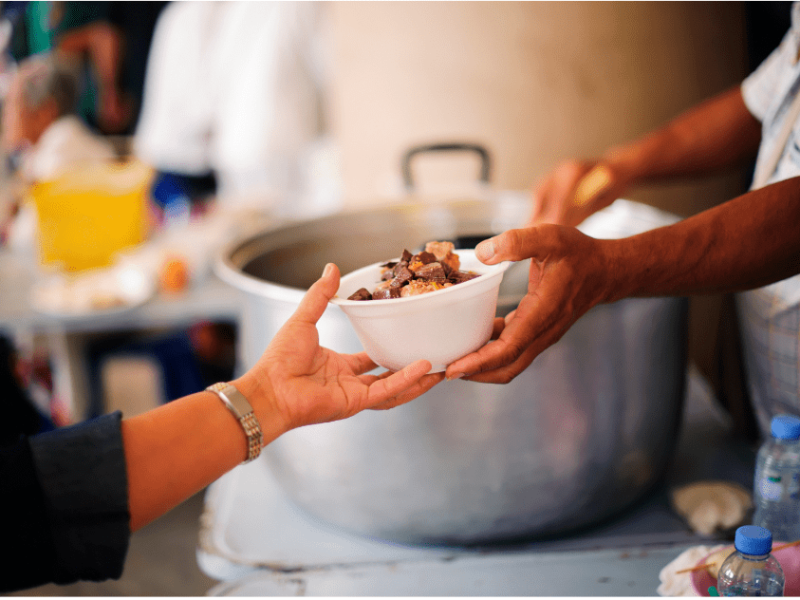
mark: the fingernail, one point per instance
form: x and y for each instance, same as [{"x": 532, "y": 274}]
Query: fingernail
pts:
[
  {"x": 327, "y": 270},
  {"x": 485, "y": 250},
  {"x": 454, "y": 377}
]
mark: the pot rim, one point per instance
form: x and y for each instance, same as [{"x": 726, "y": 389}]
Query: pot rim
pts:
[{"x": 230, "y": 271}]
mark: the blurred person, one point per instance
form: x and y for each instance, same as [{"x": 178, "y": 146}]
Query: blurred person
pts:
[
  {"x": 45, "y": 137},
  {"x": 234, "y": 90},
  {"x": 746, "y": 243},
  {"x": 108, "y": 40},
  {"x": 72, "y": 497},
  {"x": 40, "y": 126},
  {"x": 42, "y": 137},
  {"x": 232, "y": 119},
  {"x": 83, "y": 30}
]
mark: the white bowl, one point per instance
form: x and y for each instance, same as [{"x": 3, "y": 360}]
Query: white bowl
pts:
[{"x": 439, "y": 326}]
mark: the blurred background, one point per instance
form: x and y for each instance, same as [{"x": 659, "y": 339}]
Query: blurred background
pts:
[{"x": 140, "y": 138}]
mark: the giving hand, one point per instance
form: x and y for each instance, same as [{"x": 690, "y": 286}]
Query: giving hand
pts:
[{"x": 567, "y": 278}]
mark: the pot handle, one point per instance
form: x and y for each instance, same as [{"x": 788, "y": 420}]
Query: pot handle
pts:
[{"x": 408, "y": 181}]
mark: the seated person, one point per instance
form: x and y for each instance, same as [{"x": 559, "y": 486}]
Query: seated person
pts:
[{"x": 39, "y": 122}]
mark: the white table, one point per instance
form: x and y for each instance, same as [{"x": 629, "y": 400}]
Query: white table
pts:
[
  {"x": 257, "y": 542},
  {"x": 210, "y": 299}
]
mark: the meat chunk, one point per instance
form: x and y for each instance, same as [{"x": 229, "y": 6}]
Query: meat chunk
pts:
[
  {"x": 435, "y": 268},
  {"x": 461, "y": 276},
  {"x": 361, "y": 294},
  {"x": 440, "y": 249},
  {"x": 443, "y": 251},
  {"x": 386, "y": 293},
  {"x": 402, "y": 275},
  {"x": 433, "y": 271}
]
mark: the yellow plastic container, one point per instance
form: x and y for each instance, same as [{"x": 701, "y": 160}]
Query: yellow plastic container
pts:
[{"x": 90, "y": 213}]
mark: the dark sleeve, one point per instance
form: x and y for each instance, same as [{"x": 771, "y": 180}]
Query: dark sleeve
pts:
[{"x": 64, "y": 506}]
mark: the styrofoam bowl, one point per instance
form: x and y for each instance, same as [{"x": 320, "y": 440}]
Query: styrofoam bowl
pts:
[{"x": 440, "y": 326}]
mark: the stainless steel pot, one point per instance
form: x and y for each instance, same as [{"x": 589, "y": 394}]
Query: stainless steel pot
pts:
[{"x": 584, "y": 432}]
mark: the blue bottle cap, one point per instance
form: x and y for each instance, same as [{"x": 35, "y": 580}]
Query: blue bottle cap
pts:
[
  {"x": 753, "y": 540},
  {"x": 786, "y": 427}
]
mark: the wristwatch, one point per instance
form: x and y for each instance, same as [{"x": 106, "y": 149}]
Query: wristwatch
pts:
[{"x": 241, "y": 409}]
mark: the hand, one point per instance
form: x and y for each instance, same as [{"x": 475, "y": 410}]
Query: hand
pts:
[
  {"x": 575, "y": 190},
  {"x": 568, "y": 276},
  {"x": 306, "y": 383}
]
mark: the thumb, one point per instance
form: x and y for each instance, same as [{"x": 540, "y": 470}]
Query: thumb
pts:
[
  {"x": 316, "y": 299},
  {"x": 514, "y": 244},
  {"x": 595, "y": 183}
]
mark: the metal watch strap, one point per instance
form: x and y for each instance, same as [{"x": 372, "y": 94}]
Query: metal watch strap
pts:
[{"x": 241, "y": 409}]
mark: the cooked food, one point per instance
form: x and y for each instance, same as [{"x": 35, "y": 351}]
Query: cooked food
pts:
[{"x": 435, "y": 268}]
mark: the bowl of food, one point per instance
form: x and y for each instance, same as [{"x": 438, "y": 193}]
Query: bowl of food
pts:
[{"x": 434, "y": 304}]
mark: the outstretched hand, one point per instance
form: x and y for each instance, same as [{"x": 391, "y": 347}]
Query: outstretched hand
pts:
[
  {"x": 568, "y": 275},
  {"x": 574, "y": 190},
  {"x": 312, "y": 384}
]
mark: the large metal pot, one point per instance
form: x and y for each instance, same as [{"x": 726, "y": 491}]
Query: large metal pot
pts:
[{"x": 584, "y": 432}]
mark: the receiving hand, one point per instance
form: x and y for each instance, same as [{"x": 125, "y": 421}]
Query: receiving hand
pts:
[
  {"x": 307, "y": 383},
  {"x": 568, "y": 276},
  {"x": 574, "y": 190}
]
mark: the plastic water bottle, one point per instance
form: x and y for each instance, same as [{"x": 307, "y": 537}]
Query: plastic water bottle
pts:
[
  {"x": 777, "y": 480},
  {"x": 751, "y": 570}
]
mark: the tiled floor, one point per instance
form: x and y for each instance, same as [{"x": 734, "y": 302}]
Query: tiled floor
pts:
[{"x": 161, "y": 561}]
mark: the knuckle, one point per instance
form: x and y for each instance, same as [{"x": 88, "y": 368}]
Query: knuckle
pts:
[
  {"x": 506, "y": 376},
  {"x": 514, "y": 350},
  {"x": 513, "y": 241}
]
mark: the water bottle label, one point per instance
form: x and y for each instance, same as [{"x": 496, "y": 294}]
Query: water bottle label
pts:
[
  {"x": 770, "y": 487},
  {"x": 794, "y": 487}
]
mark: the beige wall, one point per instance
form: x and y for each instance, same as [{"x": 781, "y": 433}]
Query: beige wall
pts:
[{"x": 534, "y": 81}]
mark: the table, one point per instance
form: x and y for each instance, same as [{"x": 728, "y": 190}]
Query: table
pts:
[
  {"x": 208, "y": 299},
  {"x": 258, "y": 543}
]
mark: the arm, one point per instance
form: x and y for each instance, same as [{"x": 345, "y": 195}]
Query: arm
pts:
[
  {"x": 717, "y": 134},
  {"x": 102, "y": 43},
  {"x": 175, "y": 450},
  {"x": 73, "y": 495},
  {"x": 747, "y": 242}
]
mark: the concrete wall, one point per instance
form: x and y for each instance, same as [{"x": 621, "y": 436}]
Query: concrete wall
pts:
[{"x": 535, "y": 82}]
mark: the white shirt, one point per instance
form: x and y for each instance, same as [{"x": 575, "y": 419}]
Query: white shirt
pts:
[
  {"x": 770, "y": 316},
  {"x": 768, "y": 93},
  {"x": 234, "y": 87}
]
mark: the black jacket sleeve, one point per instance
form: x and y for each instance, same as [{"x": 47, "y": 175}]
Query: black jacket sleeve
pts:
[{"x": 64, "y": 506}]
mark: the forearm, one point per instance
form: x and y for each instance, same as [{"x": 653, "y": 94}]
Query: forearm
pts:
[
  {"x": 176, "y": 450},
  {"x": 745, "y": 243},
  {"x": 717, "y": 134},
  {"x": 103, "y": 44}
]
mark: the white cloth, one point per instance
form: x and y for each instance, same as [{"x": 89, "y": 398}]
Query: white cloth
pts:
[
  {"x": 680, "y": 584},
  {"x": 770, "y": 316},
  {"x": 67, "y": 143},
  {"x": 235, "y": 87}
]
